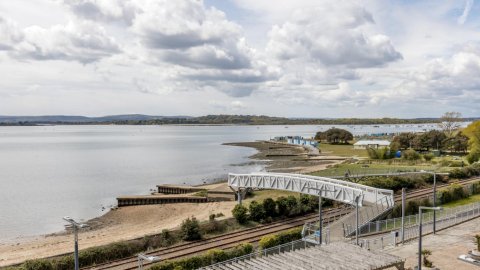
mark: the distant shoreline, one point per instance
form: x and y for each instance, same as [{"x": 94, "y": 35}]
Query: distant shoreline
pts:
[{"x": 137, "y": 119}]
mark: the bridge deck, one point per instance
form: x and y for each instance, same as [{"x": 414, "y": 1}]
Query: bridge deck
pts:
[{"x": 329, "y": 188}]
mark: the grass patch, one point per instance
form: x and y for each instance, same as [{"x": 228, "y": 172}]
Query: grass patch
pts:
[
  {"x": 471, "y": 199},
  {"x": 343, "y": 150}
]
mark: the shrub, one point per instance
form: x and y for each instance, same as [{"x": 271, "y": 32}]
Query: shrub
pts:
[
  {"x": 426, "y": 262},
  {"x": 166, "y": 238},
  {"x": 380, "y": 153},
  {"x": 272, "y": 240},
  {"x": 257, "y": 213},
  {"x": 411, "y": 155},
  {"x": 211, "y": 217},
  {"x": 473, "y": 157},
  {"x": 282, "y": 206},
  {"x": 39, "y": 264},
  {"x": 428, "y": 157},
  {"x": 190, "y": 229},
  {"x": 211, "y": 256},
  {"x": 214, "y": 226},
  {"x": 239, "y": 212},
  {"x": 270, "y": 207}
]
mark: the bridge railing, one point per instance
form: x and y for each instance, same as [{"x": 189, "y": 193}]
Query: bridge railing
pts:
[
  {"x": 371, "y": 194},
  {"x": 297, "y": 183}
]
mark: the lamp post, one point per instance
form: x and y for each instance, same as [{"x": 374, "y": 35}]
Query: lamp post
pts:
[
  {"x": 75, "y": 226},
  {"x": 357, "y": 199},
  {"x": 435, "y": 201},
  {"x": 142, "y": 257},
  {"x": 403, "y": 214},
  {"x": 320, "y": 220},
  {"x": 420, "y": 231}
]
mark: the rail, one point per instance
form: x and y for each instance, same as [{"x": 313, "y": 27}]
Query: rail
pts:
[{"x": 444, "y": 218}]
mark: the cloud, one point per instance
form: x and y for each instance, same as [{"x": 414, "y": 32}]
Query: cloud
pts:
[
  {"x": 466, "y": 11},
  {"x": 453, "y": 80},
  {"x": 9, "y": 34},
  {"x": 80, "y": 41},
  {"x": 337, "y": 34},
  {"x": 102, "y": 10}
]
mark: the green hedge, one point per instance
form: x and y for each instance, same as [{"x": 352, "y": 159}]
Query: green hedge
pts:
[
  {"x": 466, "y": 172},
  {"x": 210, "y": 257},
  {"x": 272, "y": 240},
  {"x": 396, "y": 183}
]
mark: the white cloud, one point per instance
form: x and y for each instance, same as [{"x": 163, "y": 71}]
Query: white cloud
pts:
[
  {"x": 332, "y": 35},
  {"x": 9, "y": 34},
  {"x": 102, "y": 10},
  {"x": 468, "y": 7},
  {"x": 80, "y": 41}
]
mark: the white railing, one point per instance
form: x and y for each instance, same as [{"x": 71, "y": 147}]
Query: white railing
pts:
[
  {"x": 410, "y": 220},
  {"x": 334, "y": 189},
  {"x": 444, "y": 218}
]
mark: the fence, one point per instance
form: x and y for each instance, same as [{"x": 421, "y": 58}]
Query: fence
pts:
[
  {"x": 396, "y": 223},
  {"x": 444, "y": 219}
]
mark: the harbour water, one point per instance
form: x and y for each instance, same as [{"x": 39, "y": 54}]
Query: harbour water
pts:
[{"x": 48, "y": 172}]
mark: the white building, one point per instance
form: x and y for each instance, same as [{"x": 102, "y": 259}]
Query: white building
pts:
[{"x": 371, "y": 144}]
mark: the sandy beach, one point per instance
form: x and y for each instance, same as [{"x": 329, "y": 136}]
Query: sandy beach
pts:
[{"x": 136, "y": 221}]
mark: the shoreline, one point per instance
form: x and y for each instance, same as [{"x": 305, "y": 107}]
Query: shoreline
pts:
[{"x": 126, "y": 223}]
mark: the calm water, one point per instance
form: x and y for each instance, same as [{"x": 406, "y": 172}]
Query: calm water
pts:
[{"x": 48, "y": 172}]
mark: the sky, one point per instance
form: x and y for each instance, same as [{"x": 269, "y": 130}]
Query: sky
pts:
[{"x": 302, "y": 58}]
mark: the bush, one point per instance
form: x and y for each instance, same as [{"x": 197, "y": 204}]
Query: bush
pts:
[
  {"x": 190, "y": 229},
  {"x": 210, "y": 257},
  {"x": 272, "y": 240},
  {"x": 411, "y": 155},
  {"x": 270, "y": 207},
  {"x": 380, "y": 153},
  {"x": 39, "y": 264},
  {"x": 214, "y": 226},
  {"x": 257, "y": 213},
  {"x": 239, "y": 212},
  {"x": 282, "y": 206},
  {"x": 428, "y": 157},
  {"x": 452, "y": 193},
  {"x": 473, "y": 157},
  {"x": 465, "y": 172}
]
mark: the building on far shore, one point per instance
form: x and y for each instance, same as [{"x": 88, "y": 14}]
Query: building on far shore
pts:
[
  {"x": 364, "y": 144},
  {"x": 296, "y": 140}
]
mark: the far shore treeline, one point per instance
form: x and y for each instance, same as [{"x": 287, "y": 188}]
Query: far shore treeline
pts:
[{"x": 136, "y": 119}]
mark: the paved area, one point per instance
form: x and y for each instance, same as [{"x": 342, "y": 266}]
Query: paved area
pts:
[{"x": 446, "y": 246}]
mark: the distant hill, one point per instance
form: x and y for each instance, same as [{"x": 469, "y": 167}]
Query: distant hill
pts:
[
  {"x": 81, "y": 119},
  {"x": 140, "y": 119}
]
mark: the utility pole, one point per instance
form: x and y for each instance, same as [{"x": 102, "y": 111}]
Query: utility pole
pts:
[{"x": 403, "y": 214}]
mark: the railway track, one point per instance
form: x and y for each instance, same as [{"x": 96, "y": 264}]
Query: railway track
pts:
[{"x": 251, "y": 235}]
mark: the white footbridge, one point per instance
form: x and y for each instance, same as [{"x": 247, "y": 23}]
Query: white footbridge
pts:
[{"x": 371, "y": 203}]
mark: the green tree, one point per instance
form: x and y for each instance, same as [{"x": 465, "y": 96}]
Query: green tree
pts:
[
  {"x": 337, "y": 135},
  {"x": 239, "y": 212},
  {"x": 473, "y": 133},
  {"x": 190, "y": 229},
  {"x": 282, "y": 206},
  {"x": 270, "y": 207},
  {"x": 403, "y": 140},
  {"x": 457, "y": 143},
  {"x": 256, "y": 210}
]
